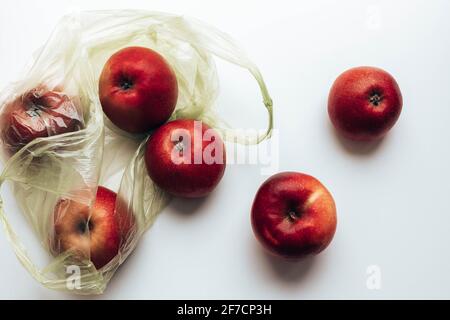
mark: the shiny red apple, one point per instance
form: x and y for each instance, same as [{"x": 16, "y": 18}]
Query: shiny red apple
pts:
[
  {"x": 39, "y": 113},
  {"x": 364, "y": 103},
  {"x": 138, "y": 89},
  {"x": 95, "y": 234},
  {"x": 294, "y": 215},
  {"x": 186, "y": 158}
]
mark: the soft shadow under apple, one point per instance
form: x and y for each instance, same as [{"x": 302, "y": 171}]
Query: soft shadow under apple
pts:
[
  {"x": 187, "y": 207},
  {"x": 360, "y": 148},
  {"x": 289, "y": 271}
]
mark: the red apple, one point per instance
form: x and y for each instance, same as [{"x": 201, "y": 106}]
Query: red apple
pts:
[
  {"x": 364, "y": 103},
  {"x": 95, "y": 234},
  {"x": 294, "y": 215},
  {"x": 138, "y": 89},
  {"x": 39, "y": 113},
  {"x": 186, "y": 158}
]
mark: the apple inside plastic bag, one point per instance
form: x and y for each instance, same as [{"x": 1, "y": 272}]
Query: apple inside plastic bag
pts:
[{"x": 68, "y": 167}]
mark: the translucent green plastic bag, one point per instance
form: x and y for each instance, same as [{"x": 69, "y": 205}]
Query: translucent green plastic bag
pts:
[
  {"x": 65, "y": 165},
  {"x": 71, "y": 166}
]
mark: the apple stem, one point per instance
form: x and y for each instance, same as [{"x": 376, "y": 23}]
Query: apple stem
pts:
[
  {"x": 126, "y": 84},
  {"x": 179, "y": 146},
  {"x": 34, "y": 112},
  {"x": 83, "y": 227},
  {"x": 293, "y": 215},
  {"x": 375, "y": 99}
]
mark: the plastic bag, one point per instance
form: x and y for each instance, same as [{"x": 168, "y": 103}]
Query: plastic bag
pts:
[
  {"x": 59, "y": 166},
  {"x": 86, "y": 158}
]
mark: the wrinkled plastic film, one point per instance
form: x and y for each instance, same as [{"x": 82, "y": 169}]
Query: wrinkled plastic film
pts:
[
  {"x": 221, "y": 45},
  {"x": 60, "y": 166},
  {"x": 72, "y": 165}
]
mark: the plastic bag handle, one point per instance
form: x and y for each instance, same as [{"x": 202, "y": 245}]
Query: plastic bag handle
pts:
[{"x": 223, "y": 46}]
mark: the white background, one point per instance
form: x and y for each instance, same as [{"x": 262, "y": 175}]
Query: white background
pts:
[{"x": 392, "y": 197}]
